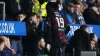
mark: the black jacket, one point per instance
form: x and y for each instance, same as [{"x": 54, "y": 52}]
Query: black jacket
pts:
[
  {"x": 30, "y": 41},
  {"x": 91, "y": 17},
  {"x": 27, "y": 6},
  {"x": 12, "y": 8},
  {"x": 80, "y": 41},
  {"x": 56, "y": 23}
]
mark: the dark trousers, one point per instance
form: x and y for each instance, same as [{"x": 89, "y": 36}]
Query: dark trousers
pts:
[{"x": 56, "y": 49}]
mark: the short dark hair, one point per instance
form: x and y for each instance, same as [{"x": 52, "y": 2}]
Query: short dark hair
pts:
[
  {"x": 52, "y": 5},
  {"x": 39, "y": 38},
  {"x": 30, "y": 15},
  {"x": 83, "y": 27},
  {"x": 21, "y": 12},
  {"x": 91, "y": 36},
  {"x": 70, "y": 5},
  {"x": 77, "y": 3}
]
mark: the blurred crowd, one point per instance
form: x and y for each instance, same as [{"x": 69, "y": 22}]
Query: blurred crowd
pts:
[{"x": 47, "y": 24}]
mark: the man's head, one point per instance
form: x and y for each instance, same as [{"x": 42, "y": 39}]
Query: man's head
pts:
[
  {"x": 92, "y": 44},
  {"x": 6, "y": 41},
  {"x": 33, "y": 18},
  {"x": 84, "y": 27},
  {"x": 41, "y": 43},
  {"x": 77, "y": 6},
  {"x": 1, "y": 44},
  {"x": 70, "y": 7},
  {"x": 21, "y": 16}
]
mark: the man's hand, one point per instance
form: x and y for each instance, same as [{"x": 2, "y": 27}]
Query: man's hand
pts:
[
  {"x": 13, "y": 51},
  {"x": 96, "y": 10}
]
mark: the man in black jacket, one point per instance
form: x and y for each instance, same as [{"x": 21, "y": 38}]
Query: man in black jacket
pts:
[
  {"x": 80, "y": 40},
  {"x": 30, "y": 41}
]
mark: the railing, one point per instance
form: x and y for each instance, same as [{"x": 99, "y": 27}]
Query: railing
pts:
[{"x": 3, "y": 3}]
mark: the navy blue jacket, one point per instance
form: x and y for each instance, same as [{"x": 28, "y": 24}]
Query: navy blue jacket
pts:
[{"x": 7, "y": 52}]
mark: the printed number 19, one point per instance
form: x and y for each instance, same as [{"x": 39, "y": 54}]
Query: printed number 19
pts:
[{"x": 60, "y": 22}]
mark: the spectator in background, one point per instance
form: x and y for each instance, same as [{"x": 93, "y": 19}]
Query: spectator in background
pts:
[
  {"x": 35, "y": 6},
  {"x": 92, "y": 15},
  {"x": 42, "y": 14},
  {"x": 69, "y": 15},
  {"x": 41, "y": 46},
  {"x": 80, "y": 40},
  {"x": 81, "y": 2},
  {"x": 42, "y": 9},
  {"x": 30, "y": 41},
  {"x": 82, "y": 6},
  {"x": 92, "y": 3},
  {"x": 7, "y": 51},
  {"x": 79, "y": 15},
  {"x": 21, "y": 17},
  {"x": 93, "y": 47},
  {"x": 94, "y": 43}
]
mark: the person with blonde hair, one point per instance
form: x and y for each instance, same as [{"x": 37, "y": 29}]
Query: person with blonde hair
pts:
[
  {"x": 7, "y": 51},
  {"x": 98, "y": 5},
  {"x": 6, "y": 41}
]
